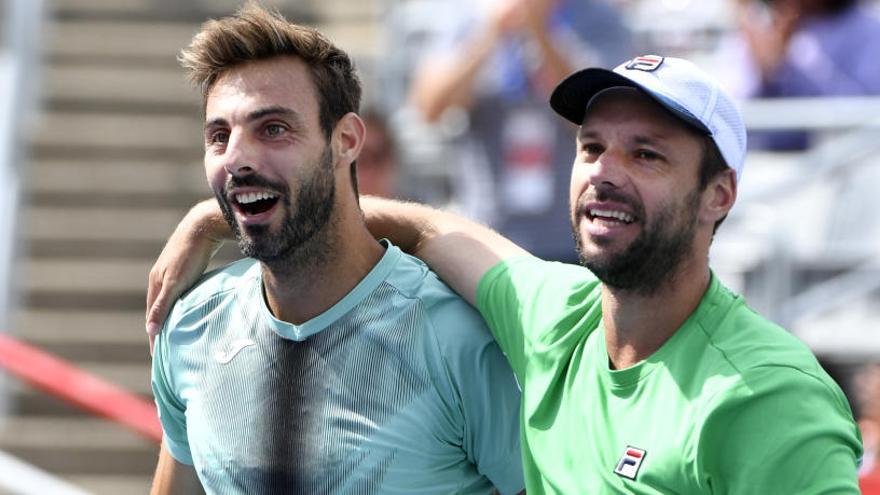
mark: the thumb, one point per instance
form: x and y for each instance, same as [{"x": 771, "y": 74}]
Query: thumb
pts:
[{"x": 157, "y": 313}]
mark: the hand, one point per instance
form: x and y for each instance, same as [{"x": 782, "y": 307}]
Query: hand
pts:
[
  {"x": 507, "y": 16},
  {"x": 537, "y": 13},
  {"x": 768, "y": 39},
  {"x": 183, "y": 260}
]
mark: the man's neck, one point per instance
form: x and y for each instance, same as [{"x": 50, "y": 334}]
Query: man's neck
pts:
[
  {"x": 298, "y": 292},
  {"x": 637, "y": 325}
]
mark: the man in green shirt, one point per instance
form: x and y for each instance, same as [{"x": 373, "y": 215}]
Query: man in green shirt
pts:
[{"x": 641, "y": 373}]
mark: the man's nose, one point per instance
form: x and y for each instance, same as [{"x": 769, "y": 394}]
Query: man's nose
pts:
[
  {"x": 240, "y": 157},
  {"x": 608, "y": 169}
]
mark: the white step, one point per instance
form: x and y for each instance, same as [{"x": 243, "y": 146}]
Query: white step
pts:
[
  {"x": 122, "y": 85},
  {"x": 80, "y": 176},
  {"x": 100, "y": 327},
  {"x": 88, "y": 275},
  {"x": 113, "y": 484},
  {"x": 49, "y": 223},
  {"x": 120, "y": 131},
  {"x": 118, "y": 39},
  {"x": 51, "y": 431}
]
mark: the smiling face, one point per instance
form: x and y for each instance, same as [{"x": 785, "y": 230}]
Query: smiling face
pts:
[
  {"x": 266, "y": 158},
  {"x": 634, "y": 191}
]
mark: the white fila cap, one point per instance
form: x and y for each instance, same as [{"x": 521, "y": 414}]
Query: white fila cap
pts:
[{"x": 678, "y": 85}]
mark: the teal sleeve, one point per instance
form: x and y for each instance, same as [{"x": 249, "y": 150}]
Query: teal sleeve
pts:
[
  {"x": 171, "y": 411},
  {"x": 486, "y": 393},
  {"x": 522, "y": 298},
  {"x": 783, "y": 431}
]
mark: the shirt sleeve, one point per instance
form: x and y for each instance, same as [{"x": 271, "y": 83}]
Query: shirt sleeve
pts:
[
  {"x": 486, "y": 393},
  {"x": 525, "y": 299},
  {"x": 783, "y": 431},
  {"x": 172, "y": 412}
]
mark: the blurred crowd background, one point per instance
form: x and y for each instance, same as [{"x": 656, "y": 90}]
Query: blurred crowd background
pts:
[{"x": 100, "y": 155}]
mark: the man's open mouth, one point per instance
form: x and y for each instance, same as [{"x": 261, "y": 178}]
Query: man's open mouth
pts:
[
  {"x": 610, "y": 216},
  {"x": 254, "y": 203}
]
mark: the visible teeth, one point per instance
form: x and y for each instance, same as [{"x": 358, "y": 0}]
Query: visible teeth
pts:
[
  {"x": 253, "y": 197},
  {"x": 618, "y": 215}
]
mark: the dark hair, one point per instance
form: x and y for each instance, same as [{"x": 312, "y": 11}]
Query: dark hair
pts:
[
  {"x": 711, "y": 165},
  {"x": 254, "y": 33}
]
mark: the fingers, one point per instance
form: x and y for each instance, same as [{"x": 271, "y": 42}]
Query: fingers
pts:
[
  {"x": 158, "y": 310},
  {"x": 154, "y": 284}
]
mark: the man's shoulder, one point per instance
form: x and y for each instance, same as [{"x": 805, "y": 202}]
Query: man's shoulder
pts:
[
  {"x": 758, "y": 354},
  {"x": 445, "y": 313},
  {"x": 412, "y": 279},
  {"x": 537, "y": 277},
  {"x": 751, "y": 341},
  {"x": 217, "y": 283}
]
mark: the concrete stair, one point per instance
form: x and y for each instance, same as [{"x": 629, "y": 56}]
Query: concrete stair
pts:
[{"x": 115, "y": 161}]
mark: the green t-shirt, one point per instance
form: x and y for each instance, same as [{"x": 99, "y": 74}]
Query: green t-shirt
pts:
[{"x": 731, "y": 403}]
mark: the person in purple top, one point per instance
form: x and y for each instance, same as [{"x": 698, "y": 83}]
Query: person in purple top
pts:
[{"x": 802, "y": 48}]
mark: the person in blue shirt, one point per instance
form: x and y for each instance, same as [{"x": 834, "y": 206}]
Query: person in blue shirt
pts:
[
  {"x": 497, "y": 61},
  {"x": 326, "y": 362}
]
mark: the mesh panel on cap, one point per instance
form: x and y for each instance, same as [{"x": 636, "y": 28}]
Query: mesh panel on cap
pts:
[{"x": 727, "y": 112}]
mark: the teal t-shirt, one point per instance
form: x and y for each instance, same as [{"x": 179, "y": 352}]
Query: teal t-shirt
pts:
[
  {"x": 731, "y": 403},
  {"x": 398, "y": 388}
]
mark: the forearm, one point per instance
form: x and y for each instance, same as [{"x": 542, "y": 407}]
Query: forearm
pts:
[
  {"x": 173, "y": 477},
  {"x": 555, "y": 66},
  {"x": 459, "y": 250},
  {"x": 441, "y": 84},
  {"x": 205, "y": 220}
]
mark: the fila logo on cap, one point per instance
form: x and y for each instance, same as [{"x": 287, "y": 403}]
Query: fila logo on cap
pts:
[
  {"x": 629, "y": 464},
  {"x": 647, "y": 63}
]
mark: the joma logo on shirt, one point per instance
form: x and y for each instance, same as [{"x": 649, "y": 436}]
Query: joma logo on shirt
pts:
[
  {"x": 234, "y": 348},
  {"x": 629, "y": 464}
]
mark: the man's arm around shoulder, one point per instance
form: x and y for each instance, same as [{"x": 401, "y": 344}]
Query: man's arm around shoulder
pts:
[{"x": 461, "y": 251}]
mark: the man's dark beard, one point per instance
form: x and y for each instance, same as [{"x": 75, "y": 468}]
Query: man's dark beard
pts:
[
  {"x": 296, "y": 241},
  {"x": 650, "y": 262}
]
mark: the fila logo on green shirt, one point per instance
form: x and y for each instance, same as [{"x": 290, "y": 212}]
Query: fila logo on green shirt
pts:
[{"x": 629, "y": 464}]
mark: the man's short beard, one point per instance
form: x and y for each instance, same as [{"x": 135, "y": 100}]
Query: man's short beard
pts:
[
  {"x": 650, "y": 262},
  {"x": 302, "y": 237}
]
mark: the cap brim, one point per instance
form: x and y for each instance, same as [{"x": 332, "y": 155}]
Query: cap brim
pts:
[{"x": 571, "y": 97}]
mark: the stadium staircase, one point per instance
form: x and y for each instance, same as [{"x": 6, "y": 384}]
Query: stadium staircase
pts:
[{"x": 115, "y": 160}]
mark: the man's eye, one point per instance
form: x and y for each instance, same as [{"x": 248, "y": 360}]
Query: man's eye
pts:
[
  {"x": 647, "y": 155},
  {"x": 592, "y": 149},
  {"x": 275, "y": 129},
  {"x": 218, "y": 137}
]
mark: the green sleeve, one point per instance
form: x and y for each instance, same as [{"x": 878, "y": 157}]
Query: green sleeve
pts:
[
  {"x": 523, "y": 299},
  {"x": 171, "y": 411},
  {"x": 782, "y": 431}
]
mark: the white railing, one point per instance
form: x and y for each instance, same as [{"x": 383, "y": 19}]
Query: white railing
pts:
[
  {"x": 20, "y": 478},
  {"x": 815, "y": 212},
  {"x": 19, "y": 60}
]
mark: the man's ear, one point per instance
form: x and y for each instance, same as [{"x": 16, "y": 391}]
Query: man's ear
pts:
[
  {"x": 719, "y": 196},
  {"x": 348, "y": 139}
]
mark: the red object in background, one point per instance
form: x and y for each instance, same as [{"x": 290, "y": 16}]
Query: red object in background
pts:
[
  {"x": 83, "y": 389},
  {"x": 870, "y": 483}
]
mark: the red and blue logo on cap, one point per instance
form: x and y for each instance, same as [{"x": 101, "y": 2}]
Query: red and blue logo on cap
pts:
[
  {"x": 629, "y": 464},
  {"x": 646, "y": 63}
]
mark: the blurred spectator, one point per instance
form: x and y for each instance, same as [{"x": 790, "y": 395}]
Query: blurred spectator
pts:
[
  {"x": 796, "y": 48},
  {"x": 867, "y": 402},
  {"x": 377, "y": 165},
  {"x": 499, "y": 60}
]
